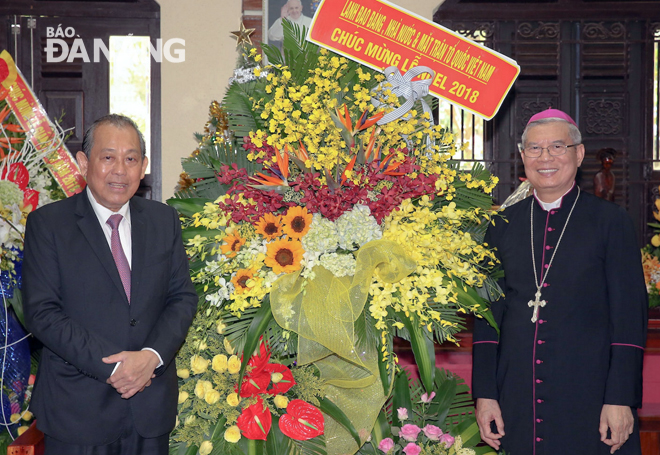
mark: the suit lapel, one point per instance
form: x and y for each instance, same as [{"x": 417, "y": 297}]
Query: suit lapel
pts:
[
  {"x": 138, "y": 239},
  {"x": 89, "y": 225}
]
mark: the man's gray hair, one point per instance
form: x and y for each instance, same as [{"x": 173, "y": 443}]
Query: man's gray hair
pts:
[
  {"x": 116, "y": 120},
  {"x": 573, "y": 131}
]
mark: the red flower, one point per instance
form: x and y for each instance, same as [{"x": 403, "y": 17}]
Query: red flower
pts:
[
  {"x": 255, "y": 384},
  {"x": 19, "y": 174},
  {"x": 284, "y": 384},
  {"x": 256, "y": 380},
  {"x": 302, "y": 421},
  {"x": 255, "y": 421},
  {"x": 258, "y": 361}
]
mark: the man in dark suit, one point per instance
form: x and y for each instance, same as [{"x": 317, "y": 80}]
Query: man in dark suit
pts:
[{"x": 108, "y": 293}]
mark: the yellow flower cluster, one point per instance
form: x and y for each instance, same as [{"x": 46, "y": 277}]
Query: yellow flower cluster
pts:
[
  {"x": 302, "y": 114},
  {"x": 435, "y": 239}
]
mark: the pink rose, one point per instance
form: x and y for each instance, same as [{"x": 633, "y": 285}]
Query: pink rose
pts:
[
  {"x": 386, "y": 445},
  {"x": 412, "y": 449},
  {"x": 409, "y": 432},
  {"x": 447, "y": 439},
  {"x": 432, "y": 432},
  {"x": 426, "y": 398},
  {"x": 402, "y": 413}
]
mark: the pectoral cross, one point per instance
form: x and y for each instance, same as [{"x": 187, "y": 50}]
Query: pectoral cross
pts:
[{"x": 536, "y": 303}]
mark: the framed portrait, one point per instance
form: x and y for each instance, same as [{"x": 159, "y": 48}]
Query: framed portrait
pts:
[{"x": 297, "y": 11}]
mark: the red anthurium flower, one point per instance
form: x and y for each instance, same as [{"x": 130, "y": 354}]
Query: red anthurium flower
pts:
[
  {"x": 302, "y": 421},
  {"x": 286, "y": 381},
  {"x": 255, "y": 384},
  {"x": 255, "y": 421},
  {"x": 18, "y": 174},
  {"x": 256, "y": 379},
  {"x": 258, "y": 361},
  {"x": 30, "y": 197}
]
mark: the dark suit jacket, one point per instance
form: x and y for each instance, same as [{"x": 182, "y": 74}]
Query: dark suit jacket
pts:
[{"x": 76, "y": 305}]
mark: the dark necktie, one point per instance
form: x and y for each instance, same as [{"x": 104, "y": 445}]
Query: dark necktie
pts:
[{"x": 118, "y": 254}]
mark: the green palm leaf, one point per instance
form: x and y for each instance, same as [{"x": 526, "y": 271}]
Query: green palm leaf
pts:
[
  {"x": 238, "y": 105},
  {"x": 314, "y": 446}
]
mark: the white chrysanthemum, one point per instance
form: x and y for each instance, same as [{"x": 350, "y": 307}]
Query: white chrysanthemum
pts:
[
  {"x": 357, "y": 227},
  {"x": 322, "y": 236},
  {"x": 339, "y": 264}
]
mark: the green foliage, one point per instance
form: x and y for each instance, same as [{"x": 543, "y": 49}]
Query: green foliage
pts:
[{"x": 238, "y": 104}]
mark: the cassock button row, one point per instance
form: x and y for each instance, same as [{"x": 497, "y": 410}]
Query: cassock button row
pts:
[
  {"x": 538, "y": 362},
  {"x": 545, "y": 285},
  {"x": 539, "y": 401},
  {"x": 538, "y": 381},
  {"x": 548, "y": 247},
  {"x": 550, "y": 229},
  {"x": 539, "y": 420},
  {"x": 133, "y": 322},
  {"x": 539, "y": 439},
  {"x": 540, "y": 342},
  {"x": 546, "y": 265},
  {"x": 552, "y": 212},
  {"x": 541, "y": 321}
]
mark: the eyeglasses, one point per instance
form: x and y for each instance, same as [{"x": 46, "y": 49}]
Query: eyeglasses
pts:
[{"x": 553, "y": 150}]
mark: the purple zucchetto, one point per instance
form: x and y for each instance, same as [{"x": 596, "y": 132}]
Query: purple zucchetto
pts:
[{"x": 551, "y": 113}]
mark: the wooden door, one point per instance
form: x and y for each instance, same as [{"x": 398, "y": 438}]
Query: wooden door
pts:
[{"x": 78, "y": 88}]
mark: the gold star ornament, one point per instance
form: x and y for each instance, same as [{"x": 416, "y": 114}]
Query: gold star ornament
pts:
[{"x": 243, "y": 35}]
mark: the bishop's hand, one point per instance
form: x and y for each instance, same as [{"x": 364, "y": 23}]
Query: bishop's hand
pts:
[
  {"x": 619, "y": 420},
  {"x": 487, "y": 411}
]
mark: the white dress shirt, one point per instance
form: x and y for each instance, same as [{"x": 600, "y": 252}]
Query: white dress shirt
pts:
[{"x": 103, "y": 213}]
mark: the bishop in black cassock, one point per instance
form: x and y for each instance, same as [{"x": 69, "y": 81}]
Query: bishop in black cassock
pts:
[{"x": 569, "y": 382}]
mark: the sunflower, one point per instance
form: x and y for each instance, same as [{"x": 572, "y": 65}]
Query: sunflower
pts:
[
  {"x": 297, "y": 222},
  {"x": 270, "y": 226},
  {"x": 240, "y": 280},
  {"x": 233, "y": 243},
  {"x": 284, "y": 256}
]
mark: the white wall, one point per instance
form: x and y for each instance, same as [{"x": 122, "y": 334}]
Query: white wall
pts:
[{"x": 189, "y": 87}]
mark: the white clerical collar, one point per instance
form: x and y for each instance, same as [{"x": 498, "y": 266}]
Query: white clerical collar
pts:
[{"x": 547, "y": 206}]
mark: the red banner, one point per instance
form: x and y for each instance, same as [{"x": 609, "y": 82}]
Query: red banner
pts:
[
  {"x": 33, "y": 119},
  {"x": 379, "y": 34}
]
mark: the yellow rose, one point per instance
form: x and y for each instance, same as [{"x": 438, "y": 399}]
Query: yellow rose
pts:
[
  {"x": 219, "y": 363},
  {"x": 228, "y": 347},
  {"x": 233, "y": 434},
  {"x": 220, "y": 327},
  {"x": 202, "y": 387},
  {"x": 276, "y": 377},
  {"x": 234, "y": 365},
  {"x": 655, "y": 240},
  {"x": 189, "y": 420},
  {"x": 183, "y": 396},
  {"x": 183, "y": 373},
  {"x": 22, "y": 429},
  {"x": 202, "y": 345},
  {"x": 281, "y": 401},
  {"x": 198, "y": 364},
  {"x": 205, "y": 448},
  {"x": 27, "y": 416},
  {"x": 14, "y": 418},
  {"x": 232, "y": 399},
  {"x": 212, "y": 396}
]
